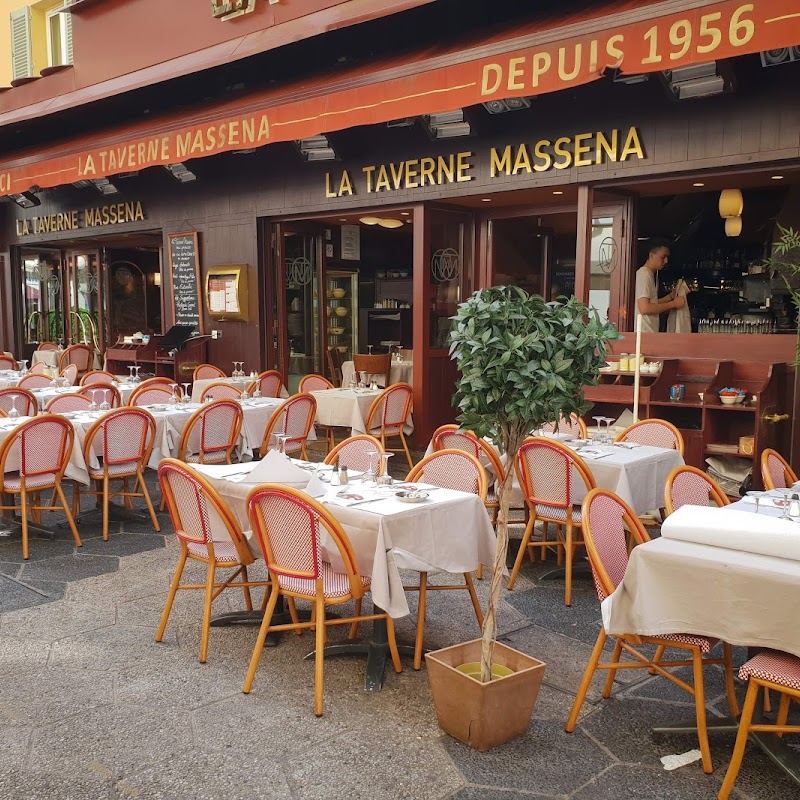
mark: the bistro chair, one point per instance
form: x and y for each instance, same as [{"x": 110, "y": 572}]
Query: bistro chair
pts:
[
  {"x": 690, "y": 486},
  {"x": 288, "y": 526},
  {"x": 295, "y": 418},
  {"x": 655, "y": 433},
  {"x": 379, "y": 366},
  {"x": 113, "y": 395},
  {"x": 67, "y": 403},
  {"x": 215, "y": 429},
  {"x": 334, "y": 358},
  {"x": 157, "y": 381},
  {"x": 574, "y": 426},
  {"x": 316, "y": 383},
  {"x": 449, "y": 469},
  {"x": 608, "y": 521},
  {"x": 97, "y": 376},
  {"x": 269, "y": 383},
  {"x": 81, "y": 355},
  {"x": 31, "y": 381},
  {"x": 148, "y": 394},
  {"x": 775, "y": 470},
  {"x": 547, "y": 472},
  {"x": 70, "y": 372},
  {"x": 204, "y": 372},
  {"x": 7, "y": 362},
  {"x": 388, "y": 415},
  {"x": 26, "y": 402},
  {"x": 220, "y": 391},
  {"x": 33, "y": 458},
  {"x": 122, "y": 440},
  {"x": 353, "y": 452},
  {"x": 39, "y": 368},
  {"x": 769, "y": 669},
  {"x": 209, "y": 534}
]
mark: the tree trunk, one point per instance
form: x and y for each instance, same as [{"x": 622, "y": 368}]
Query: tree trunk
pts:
[{"x": 513, "y": 439}]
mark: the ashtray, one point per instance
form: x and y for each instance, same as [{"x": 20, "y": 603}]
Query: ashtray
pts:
[{"x": 411, "y": 497}]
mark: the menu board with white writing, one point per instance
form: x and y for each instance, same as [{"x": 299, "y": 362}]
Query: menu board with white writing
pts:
[{"x": 185, "y": 274}]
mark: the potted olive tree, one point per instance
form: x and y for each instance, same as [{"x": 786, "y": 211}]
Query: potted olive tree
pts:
[{"x": 522, "y": 361}]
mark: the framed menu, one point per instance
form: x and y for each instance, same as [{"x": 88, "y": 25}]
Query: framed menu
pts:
[
  {"x": 226, "y": 292},
  {"x": 184, "y": 268}
]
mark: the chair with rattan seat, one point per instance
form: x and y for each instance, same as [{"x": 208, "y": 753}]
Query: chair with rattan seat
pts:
[
  {"x": 769, "y": 669},
  {"x": 776, "y": 473},
  {"x": 33, "y": 458},
  {"x": 70, "y": 372},
  {"x": 608, "y": 524},
  {"x": 691, "y": 486},
  {"x": 79, "y": 355},
  {"x": 572, "y": 425},
  {"x": 379, "y": 366},
  {"x": 148, "y": 394},
  {"x": 122, "y": 440},
  {"x": 294, "y": 418},
  {"x": 25, "y": 401},
  {"x": 288, "y": 524},
  {"x": 7, "y": 362},
  {"x": 655, "y": 433},
  {"x": 68, "y": 403},
  {"x": 204, "y": 372},
  {"x": 353, "y": 452},
  {"x": 48, "y": 346},
  {"x": 388, "y": 415},
  {"x": 317, "y": 383},
  {"x": 448, "y": 469},
  {"x": 102, "y": 392},
  {"x": 31, "y": 381},
  {"x": 216, "y": 428},
  {"x": 220, "y": 391},
  {"x": 97, "y": 376},
  {"x": 269, "y": 383},
  {"x": 208, "y": 533},
  {"x": 39, "y": 368},
  {"x": 547, "y": 472}
]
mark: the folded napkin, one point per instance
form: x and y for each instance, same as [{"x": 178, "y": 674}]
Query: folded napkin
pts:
[
  {"x": 315, "y": 487},
  {"x": 734, "y": 530},
  {"x": 276, "y": 468}
]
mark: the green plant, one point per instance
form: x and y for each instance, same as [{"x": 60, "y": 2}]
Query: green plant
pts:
[
  {"x": 785, "y": 261},
  {"x": 522, "y": 362}
]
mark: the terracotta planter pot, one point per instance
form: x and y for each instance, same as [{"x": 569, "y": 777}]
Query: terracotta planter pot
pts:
[{"x": 483, "y": 715}]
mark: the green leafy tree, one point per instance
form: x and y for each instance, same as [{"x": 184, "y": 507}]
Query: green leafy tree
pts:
[
  {"x": 785, "y": 261},
  {"x": 523, "y": 361}
]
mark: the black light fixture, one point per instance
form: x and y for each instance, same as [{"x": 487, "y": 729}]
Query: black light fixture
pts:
[
  {"x": 26, "y": 199},
  {"x": 316, "y": 148},
  {"x": 783, "y": 55},
  {"x": 618, "y": 76},
  {"x": 403, "y": 122},
  {"x": 695, "y": 80},
  {"x": 448, "y": 124},
  {"x": 104, "y": 186},
  {"x": 509, "y": 104},
  {"x": 180, "y": 172}
]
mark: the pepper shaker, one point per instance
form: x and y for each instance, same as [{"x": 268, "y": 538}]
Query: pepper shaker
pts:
[{"x": 344, "y": 480}]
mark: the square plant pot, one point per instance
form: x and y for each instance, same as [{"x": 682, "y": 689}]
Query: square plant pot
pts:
[{"x": 483, "y": 715}]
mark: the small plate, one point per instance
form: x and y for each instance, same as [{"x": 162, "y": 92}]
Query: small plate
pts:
[
  {"x": 412, "y": 497},
  {"x": 158, "y": 407}
]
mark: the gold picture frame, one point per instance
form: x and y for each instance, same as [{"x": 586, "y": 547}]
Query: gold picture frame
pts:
[{"x": 226, "y": 292}]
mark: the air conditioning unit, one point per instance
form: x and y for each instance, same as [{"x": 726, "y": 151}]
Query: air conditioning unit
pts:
[{"x": 783, "y": 55}]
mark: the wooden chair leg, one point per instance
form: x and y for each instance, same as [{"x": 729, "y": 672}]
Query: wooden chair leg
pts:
[
  {"x": 700, "y": 710},
  {"x": 657, "y": 657},
  {"x": 612, "y": 673},
  {"x": 209, "y": 596},
  {"x": 248, "y": 600},
  {"x": 149, "y": 502},
  {"x": 68, "y": 515},
  {"x": 173, "y": 590},
  {"x": 292, "y": 614},
  {"x": 398, "y": 667},
  {"x": 354, "y": 625},
  {"x": 262, "y": 635},
  {"x": 588, "y": 674},
  {"x": 741, "y": 740},
  {"x": 423, "y": 592},
  {"x": 730, "y": 687},
  {"x": 783, "y": 713},
  {"x": 105, "y": 507},
  {"x": 526, "y": 537},
  {"x": 474, "y": 597},
  {"x": 405, "y": 447},
  {"x": 126, "y": 488},
  {"x": 319, "y": 658},
  {"x": 568, "y": 568},
  {"x": 479, "y": 572},
  {"x": 23, "y": 502},
  {"x": 767, "y": 701}
]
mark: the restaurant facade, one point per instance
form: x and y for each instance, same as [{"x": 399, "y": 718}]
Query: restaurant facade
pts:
[{"x": 355, "y": 210}]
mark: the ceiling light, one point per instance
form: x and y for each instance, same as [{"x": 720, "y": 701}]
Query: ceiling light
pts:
[
  {"x": 733, "y": 226},
  {"x": 510, "y": 104},
  {"x": 390, "y": 223},
  {"x": 782, "y": 55},
  {"x": 405, "y": 213},
  {"x": 369, "y": 220},
  {"x": 698, "y": 184},
  {"x": 104, "y": 186},
  {"x": 26, "y": 199},
  {"x": 181, "y": 172},
  {"x": 448, "y": 124},
  {"x": 316, "y": 148},
  {"x": 731, "y": 203},
  {"x": 486, "y": 199},
  {"x": 777, "y": 177},
  {"x": 558, "y": 191},
  {"x": 342, "y": 219}
]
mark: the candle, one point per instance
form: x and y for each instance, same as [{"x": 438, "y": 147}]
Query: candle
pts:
[{"x": 637, "y": 368}]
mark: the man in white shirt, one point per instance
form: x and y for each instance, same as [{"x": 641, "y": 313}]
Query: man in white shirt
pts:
[{"x": 648, "y": 303}]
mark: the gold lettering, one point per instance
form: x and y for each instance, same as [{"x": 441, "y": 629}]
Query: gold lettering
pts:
[
  {"x": 5, "y": 182},
  {"x": 328, "y": 192},
  {"x": 165, "y": 148},
  {"x": 581, "y": 148},
  {"x": 522, "y": 162},
  {"x": 382, "y": 181},
  {"x": 515, "y": 71},
  {"x": 248, "y": 131},
  {"x": 540, "y": 152},
  {"x": 103, "y": 156},
  {"x": 397, "y": 174},
  {"x": 426, "y": 167},
  {"x": 113, "y": 217},
  {"x": 463, "y": 166},
  {"x": 606, "y": 148},
  {"x": 233, "y": 132},
  {"x": 611, "y": 47},
  {"x": 562, "y": 57},
  {"x": 411, "y": 174},
  {"x": 560, "y": 150},
  {"x": 263, "y": 128},
  {"x": 593, "y": 57},
  {"x": 197, "y": 142},
  {"x": 632, "y": 146},
  {"x": 138, "y": 212},
  {"x": 152, "y": 149},
  {"x": 368, "y": 172},
  {"x": 182, "y": 146},
  {"x": 541, "y": 64},
  {"x": 73, "y": 222},
  {"x": 87, "y": 168},
  {"x": 491, "y": 69},
  {"x": 19, "y": 227},
  {"x": 141, "y": 151},
  {"x": 128, "y": 212},
  {"x": 498, "y": 164},
  {"x": 104, "y": 215},
  {"x": 345, "y": 185},
  {"x": 445, "y": 169},
  {"x": 209, "y": 137}
]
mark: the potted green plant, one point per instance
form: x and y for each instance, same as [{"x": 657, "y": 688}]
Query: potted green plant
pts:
[
  {"x": 522, "y": 362},
  {"x": 785, "y": 261}
]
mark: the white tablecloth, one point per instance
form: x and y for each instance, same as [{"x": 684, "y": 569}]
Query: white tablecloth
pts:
[
  {"x": 451, "y": 532},
  {"x": 400, "y": 372},
  {"x": 348, "y": 408},
  {"x": 50, "y": 358},
  {"x": 198, "y": 386},
  {"x": 674, "y": 586}
]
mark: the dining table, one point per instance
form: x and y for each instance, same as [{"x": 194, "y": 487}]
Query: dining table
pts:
[
  {"x": 349, "y": 408},
  {"x": 399, "y": 372},
  {"x": 449, "y": 531},
  {"x": 732, "y": 573},
  {"x": 240, "y": 383}
]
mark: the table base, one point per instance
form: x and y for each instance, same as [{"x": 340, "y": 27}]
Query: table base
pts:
[
  {"x": 116, "y": 513},
  {"x": 256, "y": 617}
]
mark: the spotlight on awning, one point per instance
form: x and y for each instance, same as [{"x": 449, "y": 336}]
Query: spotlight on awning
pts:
[
  {"x": 26, "y": 199},
  {"x": 181, "y": 172},
  {"x": 509, "y": 104},
  {"x": 448, "y": 124},
  {"x": 316, "y": 148},
  {"x": 104, "y": 186},
  {"x": 783, "y": 55},
  {"x": 695, "y": 80},
  {"x": 403, "y": 122},
  {"x": 618, "y": 76},
  {"x": 82, "y": 184}
]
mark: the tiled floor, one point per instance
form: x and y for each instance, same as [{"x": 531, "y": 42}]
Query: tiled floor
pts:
[{"x": 91, "y": 707}]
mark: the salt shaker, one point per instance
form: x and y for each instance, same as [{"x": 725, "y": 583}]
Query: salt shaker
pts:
[
  {"x": 334, "y": 477},
  {"x": 344, "y": 480},
  {"x": 794, "y": 507}
]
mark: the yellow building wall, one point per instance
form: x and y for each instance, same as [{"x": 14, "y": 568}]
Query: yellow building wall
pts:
[{"x": 39, "y": 9}]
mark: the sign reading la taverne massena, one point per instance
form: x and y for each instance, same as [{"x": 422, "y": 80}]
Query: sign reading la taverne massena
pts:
[{"x": 113, "y": 214}]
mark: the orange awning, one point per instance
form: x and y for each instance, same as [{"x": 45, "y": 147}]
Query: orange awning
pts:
[{"x": 543, "y": 57}]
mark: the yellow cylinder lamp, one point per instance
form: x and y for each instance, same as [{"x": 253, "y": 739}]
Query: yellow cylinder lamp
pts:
[
  {"x": 731, "y": 203},
  {"x": 733, "y": 226}
]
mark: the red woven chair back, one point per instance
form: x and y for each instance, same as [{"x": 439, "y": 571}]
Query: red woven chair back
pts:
[
  {"x": 81, "y": 355},
  {"x": 7, "y": 362},
  {"x": 125, "y": 435},
  {"x": 220, "y": 423},
  {"x": 97, "y": 376},
  {"x": 353, "y": 452},
  {"x": 775, "y": 470},
  {"x": 452, "y": 469},
  {"x": 573, "y": 425},
  {"x": 220, "y": 391},
  {"x": 205, "y": 371},
  {"x": 654, "y": 432},
  {"x": 39, "y": 368},
  {"x": 66, "y": 403},
  {"x": 270, "y": 383},
  {"x": 40, "y": 446},
  {"x": 26, "y": 402},
  {"x": 314, "y": 383},
  {"x": 113, "y": 395},
  {"x": 547, "y": 471},
  {"x": 294, "y": 418},
  {"x": 47, "y": 346},
  {"x": 150, "y": 395},
  {"x": 390, "y": 409},
  {"x": 689, "y": 486},
  {"x": 34, "y": 382}
]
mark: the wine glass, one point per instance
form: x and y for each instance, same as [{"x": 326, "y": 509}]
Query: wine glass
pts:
[
  {"x": 173, "y": 401},
  {"x": 369, "y": 478},
  {"x": 362, "y": 383},
  {"x": 131, "y": 379},
  {"x": 12, "y": 412},
  {"x": 783, "y": 502},
  {"x": 756, "y": 495},
  {"x": 187, "y": 398},
  {"x": 257, "y": 391},
  {"x": 104, "y": 406},
  {"x": 234, "y": 371},
  {"x": 369, "y": 349},
  {"x": 608, "y": 437},
  {"x": 24, "y": 368},
  {"x": 93, "y": 405},
  {"x": 384, "y": 479},
  {"x": 597, "y": 437},
  {"x": 136, "y": 378}
]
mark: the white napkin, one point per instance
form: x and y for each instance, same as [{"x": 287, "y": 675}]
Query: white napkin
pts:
[
  {"x": 276, "y": 468},
  {"x": 315, "y": 487}
]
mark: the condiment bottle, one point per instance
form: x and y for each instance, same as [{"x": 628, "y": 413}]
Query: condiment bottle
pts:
[
  {"x": 794, "y": 506},
  {"x": 343, "y": 478}
]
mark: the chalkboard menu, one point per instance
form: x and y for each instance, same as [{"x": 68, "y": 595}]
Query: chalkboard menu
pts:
[{"x": 185, "y": 274}]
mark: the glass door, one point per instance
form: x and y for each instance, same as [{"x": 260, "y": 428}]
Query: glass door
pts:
[
  {"x": 83, "y": 296},
  {"x": 42, "y": 297}
]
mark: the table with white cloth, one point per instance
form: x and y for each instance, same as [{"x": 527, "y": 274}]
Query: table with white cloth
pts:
[
  {"x": 50, "y": 358},
  {"x": 46, "y": 394},
  {"x": 349, "y": 408},
  {"x": 240, "y": 383},
  {"x": 399, "y": 372},
  {"x": 9, "y": 378}
]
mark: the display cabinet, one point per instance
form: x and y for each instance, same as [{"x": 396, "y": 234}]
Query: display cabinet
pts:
[{"x": 342, "y": 312}]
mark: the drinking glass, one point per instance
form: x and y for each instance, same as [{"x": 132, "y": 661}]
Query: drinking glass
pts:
[
  {"x": 756, "y": 495},
  {"x": 93, "y": 405},
  {"x": 242, "y": 373},
  {"x": 245, "y": 394},
  {"x": 24, "y": 368},
  {"x": 597, "y": 437},
  {"x": 257, "y": 391},
  {"x": 174, "y": 399},
  {"x": 351, "y": 385},
  {"x": 369, "y": 478},
  {"x": 12, "y": 412},
  {"x": 282, "y": 438},
  {"x": 187, "y": 398},
  {"x": 384, "y": 479},
  {"x": 362, "y": 383},
  {"x": 783, "y": 502},
  {"x": 104, "y": 406},
  {"x": 130, "y": 377},
  {"x": 234, "y": 371},
  {"x": 608, "y": 437},
  {"x": 136, "y": 378},
  {"x": 369, "y": 349}
]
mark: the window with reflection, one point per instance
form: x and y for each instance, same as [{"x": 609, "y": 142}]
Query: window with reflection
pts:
[{"x": 42, "y": 298}]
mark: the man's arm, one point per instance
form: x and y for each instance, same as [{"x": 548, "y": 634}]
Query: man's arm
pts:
[{"x": 665, "y": 303}]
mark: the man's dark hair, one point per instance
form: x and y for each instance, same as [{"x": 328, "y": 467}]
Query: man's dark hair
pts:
[{"x": 657, "y": 244}]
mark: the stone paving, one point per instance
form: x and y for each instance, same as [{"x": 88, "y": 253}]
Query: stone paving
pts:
[{"x": 92, "y": 707}]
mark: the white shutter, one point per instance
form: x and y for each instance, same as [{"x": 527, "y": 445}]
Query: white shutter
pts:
[
  {"x": 67, "y": 23},
  {"x": 21, "y": 56}
]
